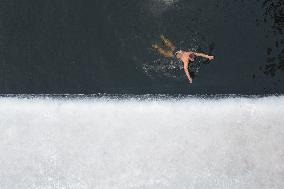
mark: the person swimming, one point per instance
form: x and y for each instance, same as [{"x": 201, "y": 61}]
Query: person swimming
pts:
[{"x": 187, "y": 57}]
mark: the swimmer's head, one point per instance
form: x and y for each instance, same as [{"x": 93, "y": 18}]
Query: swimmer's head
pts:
[
  {"x": 191, "y": 55},
  {"x": 178, "y": 54}
]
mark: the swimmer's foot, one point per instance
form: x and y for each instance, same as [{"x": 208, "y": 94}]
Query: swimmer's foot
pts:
[{"x": 155, "y": 46}]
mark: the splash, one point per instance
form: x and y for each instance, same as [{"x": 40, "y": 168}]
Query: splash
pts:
[
  {"x": 164, "y": 66},
  {"x": 157, "y": 7}
]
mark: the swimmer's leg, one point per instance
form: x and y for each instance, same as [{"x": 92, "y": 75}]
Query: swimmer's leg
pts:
[
  {"x": 163, "y": 52},
  {"x": 167, "y": 42}
]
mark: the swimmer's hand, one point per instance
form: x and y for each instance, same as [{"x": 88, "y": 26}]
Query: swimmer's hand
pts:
[
  {"x": 190, "y": 80},
  {"x": 211, "y": 58}
]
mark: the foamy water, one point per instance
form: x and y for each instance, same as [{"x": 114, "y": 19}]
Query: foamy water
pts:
[{"x": 234, "y": 143}]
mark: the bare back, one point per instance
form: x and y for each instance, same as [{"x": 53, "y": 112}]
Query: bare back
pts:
[{"x": 186, "y": 57}]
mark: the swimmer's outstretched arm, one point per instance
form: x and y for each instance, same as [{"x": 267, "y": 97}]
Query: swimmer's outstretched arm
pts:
[
  {"x": 185, "y": 67},
  {"x": 204, "y": 56},
  {"x": 188, "y": 75}
]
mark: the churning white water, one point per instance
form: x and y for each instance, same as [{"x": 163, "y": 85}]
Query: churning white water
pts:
[{"x": 101, "y": 143}]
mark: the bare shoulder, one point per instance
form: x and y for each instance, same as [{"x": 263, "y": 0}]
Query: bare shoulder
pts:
[
  {"x": 187, "y": 53},
  {"x": 191, "y": 52}
]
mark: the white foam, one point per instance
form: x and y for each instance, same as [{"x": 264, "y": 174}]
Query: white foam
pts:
[
  {"x": 157, "y": 7},
  {"x": 167, "y": 2},
  {"x": 231, "y": 143}
]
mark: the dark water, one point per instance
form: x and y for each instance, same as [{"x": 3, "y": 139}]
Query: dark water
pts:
[{"x": 71, "y": 46}]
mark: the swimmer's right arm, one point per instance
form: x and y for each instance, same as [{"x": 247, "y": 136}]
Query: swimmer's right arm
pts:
[{"x": 204, "y": 56}]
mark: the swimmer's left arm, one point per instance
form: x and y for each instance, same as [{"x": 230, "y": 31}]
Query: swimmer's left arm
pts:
[
  {"x": 188, "y": 75},
  {"x": 185, "y": 67}
]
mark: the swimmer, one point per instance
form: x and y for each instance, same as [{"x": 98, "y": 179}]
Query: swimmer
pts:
[
  {"x": 188, "y": 57},
  {"x": 184, "y": 56}
]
